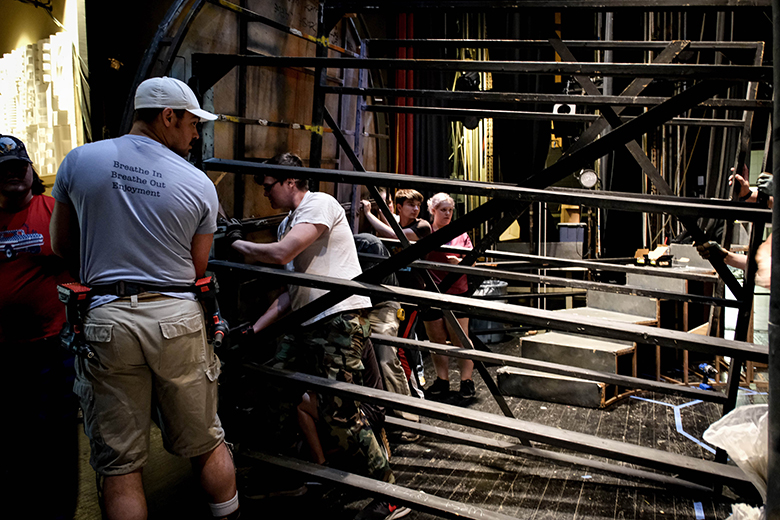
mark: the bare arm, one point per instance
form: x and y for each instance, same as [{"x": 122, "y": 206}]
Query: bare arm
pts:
[
  {"x": 381, "y": 227},
  {"x": 200, "y": 248},
  {"x": 735, "y": 260},
  {"x": 764, "y": 262},
  {"x": 713, "y": 249},
  {"x": 299, "y": 238},
  {"x": 64, "y": 232},
  {"x": 278, "y": 308}
]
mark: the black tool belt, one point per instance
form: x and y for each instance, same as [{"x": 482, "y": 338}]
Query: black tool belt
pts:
[{"x": 123, "y": 288}]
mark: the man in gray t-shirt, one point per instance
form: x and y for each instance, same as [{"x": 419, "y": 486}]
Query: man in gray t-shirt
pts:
[{"x": 133, "y": 210}]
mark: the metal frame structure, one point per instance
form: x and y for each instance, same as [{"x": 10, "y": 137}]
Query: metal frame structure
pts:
[
  {"x": 508, "y": 201},
  {"x": 772, "y": 506}
]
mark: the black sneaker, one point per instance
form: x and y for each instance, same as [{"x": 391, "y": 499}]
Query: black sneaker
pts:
[
  {"x": 381, "y": 510},
  {"x": 439, "y": 389},
  {"x": 467, "y": 390}
]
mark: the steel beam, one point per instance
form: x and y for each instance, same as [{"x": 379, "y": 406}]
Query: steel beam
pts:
[
  {"x": 350, "y": 6},
  {"x": 490, "y": 97},
  {"x": 696, "y": 470},
  {"x": 626, "y": 132},
  {"x": 482, "y": 272},
  {"x": 546, "y": 262},
  {"x": 663, "y": 71},
  {"x": 649, "y": 168},
  {"x": 449, "y": 317},
  {"x": 552, "y": 368},
  {"x": 494, "y": 311},
  {"x": 643, "y": 45},
  {"x": 563, "y": 459},
  {"x": 612, "y": 200},
  {"x": 537, "y": 116},
  {"x": 637, "y": 85},
  {"x": 494, "y": 272},
  {"x": 524, "y": 296},
  {"x": 615, "y": 121},
  {"x": 632, "y": 130},
  {"x": 745, "y": 313},
  {"x": 358, "y": 166},
  {"x": 416, "y": 500}
]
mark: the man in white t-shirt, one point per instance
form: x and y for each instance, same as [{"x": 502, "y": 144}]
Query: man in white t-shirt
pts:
[{"x": 315, "y": 238}]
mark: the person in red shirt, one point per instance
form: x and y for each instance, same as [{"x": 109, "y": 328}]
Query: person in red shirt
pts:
[{"x": 43, "y": 405}]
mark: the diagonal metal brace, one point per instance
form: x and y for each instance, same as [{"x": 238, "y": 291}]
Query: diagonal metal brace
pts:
[
  {"x": 647, "y": 166},
  {"x": 449, "y": 316}
]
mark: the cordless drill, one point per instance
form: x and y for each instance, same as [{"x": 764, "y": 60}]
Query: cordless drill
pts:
[
  {"x": 74, "y": 296},
  {"x": 206, "y": 290}
]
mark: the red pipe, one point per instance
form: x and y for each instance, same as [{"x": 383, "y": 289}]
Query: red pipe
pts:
[
  {"x": 401, "y": 101},
  {"x": 410, "y": 101}
]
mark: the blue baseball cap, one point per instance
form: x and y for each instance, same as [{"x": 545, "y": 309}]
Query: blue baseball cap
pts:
[{"x": 12, "y": 149}]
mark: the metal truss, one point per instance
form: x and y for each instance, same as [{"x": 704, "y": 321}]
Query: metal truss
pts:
[
  {"x": 552, "y": 368},
  {"x": 516, "y": 261},
  {"x": 498, "y": 274},
  {"x": 678, "y": 206},
  {"x": 535, "y": 116},
  {"x": 216, "y": 65},
  {"x": 351, "y": 6},
  {"x": 655, "y": 45},
  {"x": 694, "y": 470},
  {"x": 699, "y": 86},
  {"x": 418, "y": 500},
  {"x": 489, "y": 98},
  {"x": 496, "y": 311}
]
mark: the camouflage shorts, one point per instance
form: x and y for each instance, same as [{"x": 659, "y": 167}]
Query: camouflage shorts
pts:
[{"x": 332, "y": 348}]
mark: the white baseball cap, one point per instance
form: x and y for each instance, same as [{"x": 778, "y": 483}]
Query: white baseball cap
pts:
[{"x": 168, "y": 92}]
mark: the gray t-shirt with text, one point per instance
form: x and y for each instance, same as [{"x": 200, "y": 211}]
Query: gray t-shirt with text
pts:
[{"x": 139, "y": 205}]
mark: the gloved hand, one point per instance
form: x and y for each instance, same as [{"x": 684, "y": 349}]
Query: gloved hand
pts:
[
  {"x": 711, "y": 249},
  {"x": 235, "y": 230},
  {"x": 766, "y": 184},
  {"x": 241, "y": 334}
]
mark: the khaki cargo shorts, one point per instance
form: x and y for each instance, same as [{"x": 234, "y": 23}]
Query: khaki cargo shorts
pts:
[{"x": 152, "y": 357}]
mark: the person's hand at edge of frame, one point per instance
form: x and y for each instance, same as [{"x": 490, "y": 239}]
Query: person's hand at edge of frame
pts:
[
  {"x": 711, "y": 249},
  {"x": 744, "y": 185},
  {"x": 766, "y": 184}
]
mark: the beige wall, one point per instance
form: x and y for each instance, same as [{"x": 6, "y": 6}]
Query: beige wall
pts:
[{"x": 24, "y": 24}]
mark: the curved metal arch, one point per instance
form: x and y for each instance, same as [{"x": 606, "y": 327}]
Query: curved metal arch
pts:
[{"x": 152, "y": 57}]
